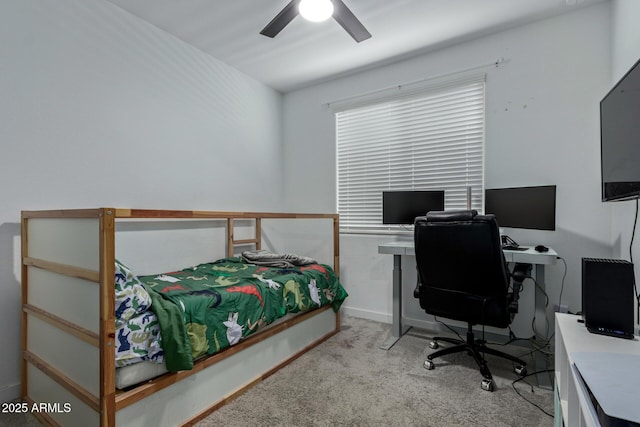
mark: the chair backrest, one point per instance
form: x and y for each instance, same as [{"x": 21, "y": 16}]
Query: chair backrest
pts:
[{"x": 461, "y": 267}]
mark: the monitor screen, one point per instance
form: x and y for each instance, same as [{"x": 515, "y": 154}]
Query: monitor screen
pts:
[
  {"x": 620, "y": 138},
  {"x": 402, "y": 207},
  {"x": 523, "y": 207}
]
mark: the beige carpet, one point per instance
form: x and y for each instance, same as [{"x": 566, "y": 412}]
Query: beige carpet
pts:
[{"x": 349, "y": 381}]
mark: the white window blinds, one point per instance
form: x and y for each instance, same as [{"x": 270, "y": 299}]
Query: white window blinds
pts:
[{"x": 432, "y": 139}]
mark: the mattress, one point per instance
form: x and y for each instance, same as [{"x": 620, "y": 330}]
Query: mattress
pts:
[
  {"x": 129, "y": 375},
  {"x": 144, "y": 370}
]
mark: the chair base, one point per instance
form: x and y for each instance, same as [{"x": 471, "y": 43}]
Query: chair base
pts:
[{"x": 475, "y": 348}]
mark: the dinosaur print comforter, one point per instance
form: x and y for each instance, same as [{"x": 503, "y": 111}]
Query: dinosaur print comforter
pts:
[{"x": 204, "y": 309}]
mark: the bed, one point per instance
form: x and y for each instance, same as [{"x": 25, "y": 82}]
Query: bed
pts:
[{"x": 248, "y": 319}]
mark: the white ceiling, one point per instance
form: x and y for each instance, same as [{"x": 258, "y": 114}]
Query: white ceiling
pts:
[{"x": 305, "y": 53}]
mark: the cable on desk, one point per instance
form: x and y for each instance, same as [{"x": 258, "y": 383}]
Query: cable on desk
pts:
[
  {"x": 546, "y": 304},
  {"x": 512, "y": 338},
  {"x": 541, "y": 348},
  {"x": 563, "y": 277},
  {"x": 633, "y": 233},
  {"x": 534, "y": 343},
  {"x": 448, "y": 327},
  {"x": 513, "y": 385},
  {"x": 635, "y": 287},
  {"x": 533, "y": 328}
]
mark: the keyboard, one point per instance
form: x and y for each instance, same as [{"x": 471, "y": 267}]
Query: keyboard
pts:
[{"x": 514, "y": 248}]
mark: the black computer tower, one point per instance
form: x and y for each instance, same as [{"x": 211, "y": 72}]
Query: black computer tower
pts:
[{"x": 608, "y": 296}]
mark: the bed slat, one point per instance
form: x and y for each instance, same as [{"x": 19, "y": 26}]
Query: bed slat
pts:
[
  {"x": 66, "y": 382},
  {"x": 66, "y": 270},
  {"x": 75, "y": 330}
]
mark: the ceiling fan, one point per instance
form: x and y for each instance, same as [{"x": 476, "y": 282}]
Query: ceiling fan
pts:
[{"x": 335, "y": 8}]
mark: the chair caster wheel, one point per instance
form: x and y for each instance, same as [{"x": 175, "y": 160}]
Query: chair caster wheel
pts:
[
  {"x": 428, "y": 364},
  {"x": 487, "y": 385},
  {"x": 520, "y": 370},
  {"x": 433, "y": 345}
]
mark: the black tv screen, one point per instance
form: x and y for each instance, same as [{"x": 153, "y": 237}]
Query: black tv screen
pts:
[
  {"x": 620, "y": 138},
  {"x": 523, "y": 207},
  {"x": 402, "y": 207}
]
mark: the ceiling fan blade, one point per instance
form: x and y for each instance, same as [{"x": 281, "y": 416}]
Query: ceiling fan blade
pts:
[
  {"x": 283, "y": 18},
  {"x": 349, "y": 22}
]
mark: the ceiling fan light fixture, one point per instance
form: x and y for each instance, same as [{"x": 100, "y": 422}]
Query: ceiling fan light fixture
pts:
[
  {"x": 316, "y": 10},
  {"x": 329, "y": 8}
]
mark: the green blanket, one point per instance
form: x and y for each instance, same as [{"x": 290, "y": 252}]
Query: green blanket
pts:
[{"x": 209, "y": 307}]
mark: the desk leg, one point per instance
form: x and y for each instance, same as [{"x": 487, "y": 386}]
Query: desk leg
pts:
[
  {"x": 396, "y": 325},
  {"x": 541, "y": 326}
]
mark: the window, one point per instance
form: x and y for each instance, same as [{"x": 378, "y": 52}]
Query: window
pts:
[{"x": 427, "y": 139}]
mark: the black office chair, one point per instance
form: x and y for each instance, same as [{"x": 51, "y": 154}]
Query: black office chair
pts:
[{"x": 462, "y": 275}]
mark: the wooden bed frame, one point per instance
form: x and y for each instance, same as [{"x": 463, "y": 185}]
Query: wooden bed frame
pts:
[{"x": 68, "y": 326}]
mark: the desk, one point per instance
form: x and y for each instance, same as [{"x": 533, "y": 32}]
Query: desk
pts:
[
  {"x": 530, "y": 256},
  {"x": 609, "y": 364}
]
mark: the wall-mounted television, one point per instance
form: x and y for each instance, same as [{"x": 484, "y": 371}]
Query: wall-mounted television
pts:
[
  {"x": 620, "y": 138},
  {"x": 402, "y": 207}
]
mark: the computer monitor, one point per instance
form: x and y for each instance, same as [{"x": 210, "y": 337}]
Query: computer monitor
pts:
[
  {"x": 402, "y": 207},
  {"x": 523, "y": 207}
]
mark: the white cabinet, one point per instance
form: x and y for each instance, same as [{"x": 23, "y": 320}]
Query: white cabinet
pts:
[{"x": 573, "y": 406}]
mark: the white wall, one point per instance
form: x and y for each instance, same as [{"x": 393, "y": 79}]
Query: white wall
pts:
[
  {"x": 542, "y": 128},
  {"x": 99, "y": 108}
]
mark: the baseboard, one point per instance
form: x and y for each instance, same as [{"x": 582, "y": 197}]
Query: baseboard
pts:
[
  {"x": 429, "y": 325},
  {"x": 10, "y": 392},
  {"x": 491, "y": 334},
  {"x": 367, "y": 314}
]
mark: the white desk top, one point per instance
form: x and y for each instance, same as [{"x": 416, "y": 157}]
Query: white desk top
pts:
[
  {"x": 613, "y": 379},
  {"x": 530, "y": 256},
  {"x": 576, "y": 337},
  {"x": 608, "y": 365}
]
